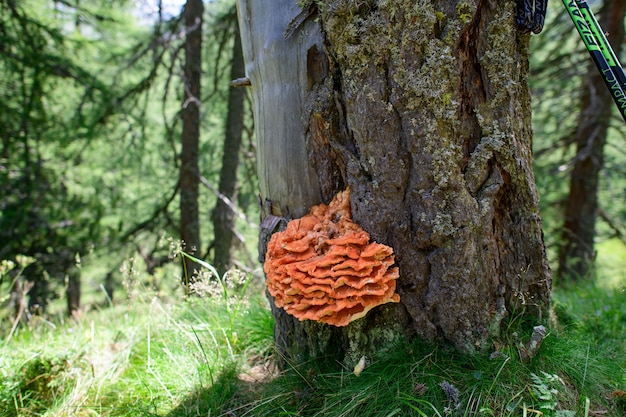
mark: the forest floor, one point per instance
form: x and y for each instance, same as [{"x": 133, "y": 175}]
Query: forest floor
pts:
[{"x": 150, "y": 354}]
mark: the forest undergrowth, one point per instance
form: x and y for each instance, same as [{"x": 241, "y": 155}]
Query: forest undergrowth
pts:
[{"x": 209, "y": 353}]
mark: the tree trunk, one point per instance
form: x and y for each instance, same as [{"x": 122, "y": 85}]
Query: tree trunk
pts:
[
  {"x": 39, "y": 293},
  {"x": 577, "y": 253},
  {"x": 72, "y": 291},
  {"x": 223, "y": 216},
  {"x": 189, "y": 172},
  {"x": 423, "y": 110},
  {"x": 17, "y": 300}
]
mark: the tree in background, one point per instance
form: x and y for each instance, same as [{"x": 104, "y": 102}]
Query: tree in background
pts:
[
  {"x": 559, "y": 63},
  {"x": 423, "y": 111},
  {"x": 189, "y": 181},
  {"x": 223, "y": 216},
  {"x": 90, "y": 130},
  {"x": 576, "y": 252},
  {"x": 212, "y": 146}
]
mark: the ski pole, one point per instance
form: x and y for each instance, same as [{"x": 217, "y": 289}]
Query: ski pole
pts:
[
  {"x": 600, "y": 50},
  {"x": 604, "y": 44}
]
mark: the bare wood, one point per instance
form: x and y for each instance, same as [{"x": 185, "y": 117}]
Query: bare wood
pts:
[
  {"x": 241, "y": 82},
  {"x": 276, "y": 68}
]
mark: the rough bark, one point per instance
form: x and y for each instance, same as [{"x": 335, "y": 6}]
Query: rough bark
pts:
[
  {"x": 189, "y": 172},
  {"x": 423, "y": 110},
  {"x": 223, "y": 217},
  {"x": 577, "y": 253}
]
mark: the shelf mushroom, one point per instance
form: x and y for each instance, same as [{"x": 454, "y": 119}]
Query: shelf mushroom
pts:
[{"x": 323, "y": 266}]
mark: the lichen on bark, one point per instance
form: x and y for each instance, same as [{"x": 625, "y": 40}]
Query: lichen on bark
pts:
[
  {"x": 437, "y": 106},
  {"x": 423, "y": 110}
]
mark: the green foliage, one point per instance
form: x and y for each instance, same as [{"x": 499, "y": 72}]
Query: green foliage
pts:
[
  {"x": 545, "y": 389},
  {"x": 38, "y": 211},
  {"x": 90, "y": 123},
  {"x": 422, "y": 380},
  {"x": 574, "y": 373},
  {"x": 415, "y": 385},
  {"x": 89, "y": 106}
]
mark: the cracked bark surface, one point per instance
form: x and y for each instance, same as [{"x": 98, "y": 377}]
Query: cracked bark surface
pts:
[{"x": 425, "y": 113}]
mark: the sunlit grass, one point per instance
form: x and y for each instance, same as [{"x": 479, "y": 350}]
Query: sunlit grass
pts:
[
  {"x": 572, "y": 376},
  {"x": 611, "y": 264},
  {"x": 143, "y": 357},
  {"x": 175, "y": 356}
]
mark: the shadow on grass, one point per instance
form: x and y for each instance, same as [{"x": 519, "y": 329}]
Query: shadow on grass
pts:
[
  {"x": 311, "y": 389},
  {"x": 40, "y": 383},
  {"x": 573, "y": 374},
  {"x": 232, "y": 393}
]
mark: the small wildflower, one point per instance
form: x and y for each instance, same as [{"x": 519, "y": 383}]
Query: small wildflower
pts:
[
  {"x": 130, "y": 278},
  {"x": 452, "y": 395},
  {"x": 235, "y": 278},
  {"x": 23, "y": 261},
  {"x": 6, "y": 266},
  {"x": 206, "y": 284},
  {"x": 176, "y": 247}
]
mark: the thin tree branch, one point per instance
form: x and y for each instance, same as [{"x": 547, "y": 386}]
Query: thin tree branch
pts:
[
  {"x": 232, "y": 206},
  {"x": 148, "y": 222},
  {"x": 613, "y": 224}
]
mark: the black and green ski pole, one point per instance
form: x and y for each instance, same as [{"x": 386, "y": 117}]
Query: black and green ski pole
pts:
[
  {"x": 605, "y": 46},
  {"x": 600, "y": 50}
]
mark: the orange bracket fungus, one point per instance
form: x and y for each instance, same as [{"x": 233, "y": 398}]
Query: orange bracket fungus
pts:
[{"x": 323, "y": 266}]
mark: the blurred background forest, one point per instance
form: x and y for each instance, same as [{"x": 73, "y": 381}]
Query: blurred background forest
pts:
[
  {"x": 122, "y": 137},
  {"x": 105, "y": 130}
]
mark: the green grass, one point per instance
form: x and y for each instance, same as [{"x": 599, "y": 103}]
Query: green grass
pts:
[
  {"x": 144, "y": 357},
  {"x": 570, "y": 369},
  {"x": 211, "y": 356}
]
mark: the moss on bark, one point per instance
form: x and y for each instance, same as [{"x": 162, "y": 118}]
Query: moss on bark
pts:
[{"x": 424, "y": 111}]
